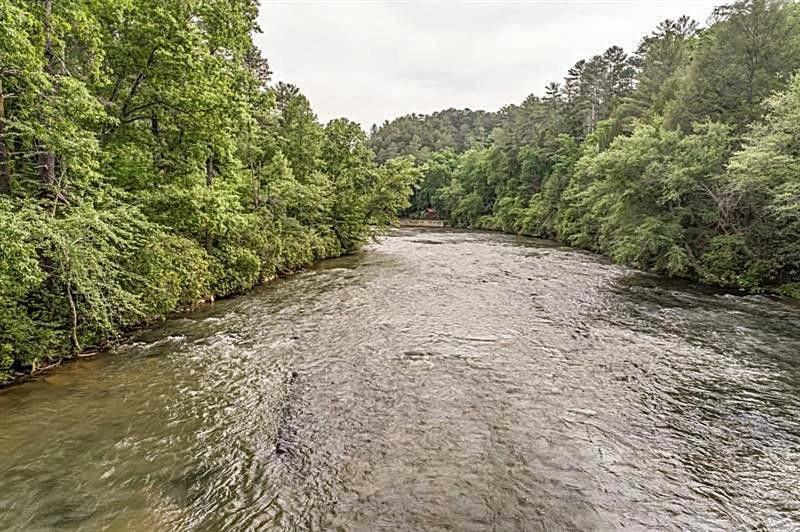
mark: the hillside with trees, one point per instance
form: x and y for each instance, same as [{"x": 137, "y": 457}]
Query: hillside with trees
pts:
[
  {"x": 682, "y": 157},
  {"x": 147, "y": 164},
  {"x": 423, "y": 135}
]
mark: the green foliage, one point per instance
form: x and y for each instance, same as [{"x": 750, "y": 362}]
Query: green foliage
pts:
[
  {"x": 153, "y": 167},
  {"x": 683, "y": 158},
  {"x": 759, "y": 197},
  {"x": 21, "y": 275},
  {"x": 750, "y": 51},
  {"x": 539, "y": 219},
  {"x": 349, "y": 163},
  {"x": 437, "y": 172},
  {"x": 424, "y": 135},
  {"x": 392, "y": 182},
  {"x": 236, "y": 269},
  {"x": 173, "y": 272},
  {"x": 146, "y": 164}
]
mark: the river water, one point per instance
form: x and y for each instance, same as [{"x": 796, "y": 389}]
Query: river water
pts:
[{"x": 439, "y": 380}]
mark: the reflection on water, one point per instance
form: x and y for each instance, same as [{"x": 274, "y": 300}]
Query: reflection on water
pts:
[{"x": 439, "y": 380}]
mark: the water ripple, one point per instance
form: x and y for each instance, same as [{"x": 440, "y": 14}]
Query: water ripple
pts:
[{"x": 441, "y": 380}]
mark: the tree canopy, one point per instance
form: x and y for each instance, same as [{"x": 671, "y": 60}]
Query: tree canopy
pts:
[
  {"x": 680, "y": 158},
  {"x": 147, "y": 164},
  {"x": 422, "y": 135}
]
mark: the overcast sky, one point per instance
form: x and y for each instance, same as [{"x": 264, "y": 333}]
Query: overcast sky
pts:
[{"x": 375, "y": 60}]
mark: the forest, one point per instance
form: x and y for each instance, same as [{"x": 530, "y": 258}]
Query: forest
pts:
[
  {"x": 681, "y": 158},
  {"x": 148, "y": 163}
]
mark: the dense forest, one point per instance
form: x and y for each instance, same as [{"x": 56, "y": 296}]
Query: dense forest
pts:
[
  {"x": 147, "y": 163},
  {"x": 681, "y": 158},
  {"x": 424, "y": 135}
]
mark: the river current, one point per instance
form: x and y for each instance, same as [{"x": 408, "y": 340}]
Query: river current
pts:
[{"x": 438, "y": 380}]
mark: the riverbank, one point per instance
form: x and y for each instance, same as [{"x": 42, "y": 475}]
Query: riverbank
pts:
[
  {"x": 412, "y": 222},
  {"x": 21, "y": 375},
  {"x": 445, "y": 376},
  {"x": 790, "y": 290}
]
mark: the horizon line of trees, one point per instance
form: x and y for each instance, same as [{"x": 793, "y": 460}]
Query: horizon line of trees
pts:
[
  {"x": 147, "y": 163},
  {"x": 682, "y": 158}
]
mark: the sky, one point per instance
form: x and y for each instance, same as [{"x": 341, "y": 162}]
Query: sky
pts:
[{"x": 371, "y": 61}]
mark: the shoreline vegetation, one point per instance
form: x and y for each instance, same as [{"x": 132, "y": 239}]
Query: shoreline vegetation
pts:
[
  {"x": 681, "y": 158},
  {"x": 148, "y": 162},
  {"x": 54, "y": 363},
  {"x": 421, "y": 222}
]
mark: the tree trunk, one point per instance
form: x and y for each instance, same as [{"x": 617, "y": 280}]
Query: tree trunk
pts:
[
  {"x": 47, "y": 169},
  {"x": 209, "y": 172},
  {"x": 48, "y": 32},
  {"x": 154, "y": 127},
  {"x": 158, "y": 152},
  {"x": 5, "y": 171}
]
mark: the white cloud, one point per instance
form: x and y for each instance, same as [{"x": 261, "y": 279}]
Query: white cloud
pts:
[{"x": 373, "y": 61}]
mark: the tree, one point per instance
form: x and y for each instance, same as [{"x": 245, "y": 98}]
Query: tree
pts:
[
  {"x": 636, "y": 157},
  {"x": 422, "y": 135},
  {"x": 146, "y": 165},
  {"x": 749, "y": 52},
  {"x": 348, "y": 162},
  {"x": 759, "y": 204}
]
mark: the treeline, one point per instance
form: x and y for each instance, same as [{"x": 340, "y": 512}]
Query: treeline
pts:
[
  {"x": 682, "y": 158},
  {"x": 424, "y": 135},
  {"x": 146, "y": 164}
]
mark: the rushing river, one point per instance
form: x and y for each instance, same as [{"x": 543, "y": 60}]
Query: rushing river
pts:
[{"x": 439, "y": 380}]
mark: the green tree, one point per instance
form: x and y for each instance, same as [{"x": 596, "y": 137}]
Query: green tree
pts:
[
  {"x": 146, "y": 165},
  {"x": 749, "y": 52},
  {"x": 759, "y": 204}
]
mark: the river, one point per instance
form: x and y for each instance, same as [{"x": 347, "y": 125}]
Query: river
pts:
[{"x": 439, "y": 380}]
